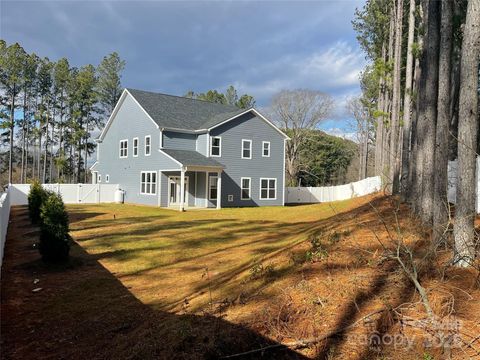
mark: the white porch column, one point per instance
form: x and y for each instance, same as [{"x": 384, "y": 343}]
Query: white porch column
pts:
[
  {"x": 219, "y": 190},
  {"x": 182, "y": 189}
]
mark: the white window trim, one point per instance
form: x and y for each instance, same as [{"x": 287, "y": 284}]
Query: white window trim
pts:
[
  {"x": 145, "y": 146},
  {"x": 263, "y": 148},
  {"x": 250, "y": 142},
  {"x": 135, "y": 148},
  {"x": 268, "y": 189},
  {"x": 151, "y": 182},
  {"x": 249, "y": 188},
  {"x": 209, "y": 183},
  {"x": 107, "y": 178},
  {"x": 219, "y": 148},
  {"x": 99, "y": 178},
  {"x": 120, "y": 149}
]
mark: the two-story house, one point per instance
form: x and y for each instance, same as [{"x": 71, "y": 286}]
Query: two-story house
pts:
[{"x": 178, "y": 152}]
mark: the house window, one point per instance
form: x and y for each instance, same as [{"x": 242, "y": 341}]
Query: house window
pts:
[
  {"x": 135, "y": 147},
  {"x": 246, "y": 188},
  {"x": 148, "y": 183},
  {"x": 266, "y": 148},
  {"x": 268, "y": 189},
  {"x": 212, "y": 187},
  {"x": 107, "y": 178},
  {"x": 123, "y": 148},
  {"x": 246, "y": 149},
  {"x": 147, "y": 145},
  {"x": 216, "y": 146},
  {"x": 99, "y": 179}
]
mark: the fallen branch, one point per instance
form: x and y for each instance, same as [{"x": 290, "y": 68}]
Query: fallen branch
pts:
[{"x": 306, "y": 342}]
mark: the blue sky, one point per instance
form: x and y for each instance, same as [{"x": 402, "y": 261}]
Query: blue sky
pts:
[{"x": 175, "y": 46}]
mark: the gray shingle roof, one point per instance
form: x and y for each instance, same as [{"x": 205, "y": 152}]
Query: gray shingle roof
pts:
[
  {"x": 183, "y": 113},
  {"x": 192, "y": 158}
]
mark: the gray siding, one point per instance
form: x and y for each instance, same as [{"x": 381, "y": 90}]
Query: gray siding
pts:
[
  {"x": 179, "y": 141},
  {"x": 252, "y": 128},
  {"x": 202, "y": 144},
  {"x": 130, "y": 122}
]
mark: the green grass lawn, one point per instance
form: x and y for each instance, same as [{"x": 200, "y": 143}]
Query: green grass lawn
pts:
[{"x": 163, "y": 255}]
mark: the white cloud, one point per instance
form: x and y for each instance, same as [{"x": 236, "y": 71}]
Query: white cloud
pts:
[
  {"x": 334, "y": 70},
  {"x": 341, "y": 133}
]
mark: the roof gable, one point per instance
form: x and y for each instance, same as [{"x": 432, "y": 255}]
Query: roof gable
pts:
[{"x": 177, "y": 113}]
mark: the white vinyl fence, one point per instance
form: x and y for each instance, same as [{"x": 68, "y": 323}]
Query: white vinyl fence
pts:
[
  {"x": 452, "y": 183},
  {"x": 4, "y": 217},
  {"x": 71, "y": 193},
  {"x": 305, "y": 195},
  {"x": 16, "y": 194}
]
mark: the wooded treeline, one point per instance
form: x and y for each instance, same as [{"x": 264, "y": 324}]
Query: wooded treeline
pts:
[
  {"x": 230, "y": 97},
  {"x": 421, "y": 89},
  {"x": 48, "y": 112}
]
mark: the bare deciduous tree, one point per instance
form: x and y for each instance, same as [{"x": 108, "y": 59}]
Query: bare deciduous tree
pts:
[
  {"x": 362, "y": 128},
  {"x": 297, "y": 111}
]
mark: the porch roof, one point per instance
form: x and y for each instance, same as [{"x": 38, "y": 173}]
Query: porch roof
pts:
[{"x": 192, "y": 158}]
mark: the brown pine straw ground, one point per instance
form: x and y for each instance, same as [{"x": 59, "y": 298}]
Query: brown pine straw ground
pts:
[{"x": 151, "y": 283}]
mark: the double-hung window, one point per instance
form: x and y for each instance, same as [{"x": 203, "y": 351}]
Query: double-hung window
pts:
[
  {"x": 216, "y": 146},
  {"x": 268, "y": 189},
  {"x": 148, "y": 145},
  {"x": 212, "y": 187},
  {"x": 148, "y": 183},
  {"x": 246, "y": 188},
  {"x": 135, "y": 147},
  {"x": 123, "y": 148},
  {"x": 266, "y": 148},
  {"x": 246, "y": 149}
]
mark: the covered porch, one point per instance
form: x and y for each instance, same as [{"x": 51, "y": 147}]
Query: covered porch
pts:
[
  {"x": 195, "y": 184},
  {"x": 191, "y": 188}
]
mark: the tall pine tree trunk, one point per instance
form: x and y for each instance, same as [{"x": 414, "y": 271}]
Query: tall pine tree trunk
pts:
[
  {"x": 380, "y": 126},
  {"x": 428, "y": 109},
  {"x": 413, "y": 175},
  {"x": 407, "y": 102},
  {"x": 440, "y": 202},
  {"x": 467, "y": 138},
  {"x": 24, "y": 135},
  {"x": 44, "y": 173},
  {"x": 388, "y": 102},
  {"x": 394, "y": 148},
  {"x": 12, "y": 128}
]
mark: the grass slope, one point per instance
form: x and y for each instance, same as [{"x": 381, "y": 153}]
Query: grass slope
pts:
[{"x": 153, "y": 283}]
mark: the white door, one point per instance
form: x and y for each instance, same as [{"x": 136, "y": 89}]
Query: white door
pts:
[{"x": 174, "y": 184}]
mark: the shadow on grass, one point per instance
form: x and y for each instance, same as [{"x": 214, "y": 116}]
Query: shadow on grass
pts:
[{"x": 86, "y": 312}]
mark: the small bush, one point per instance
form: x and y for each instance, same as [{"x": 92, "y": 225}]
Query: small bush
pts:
[
  {"x": 317, "y": 251},
  {"x": 54, "y": 237},
  {"x": 258, "y": 271},
  {"x": 36, "y": 197}
]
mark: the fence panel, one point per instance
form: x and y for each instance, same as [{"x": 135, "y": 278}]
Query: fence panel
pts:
[
  {"x": 71, "y": 193},
  {"x": 306, "y": 195},
  {"x": 4, "y": 217}
]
